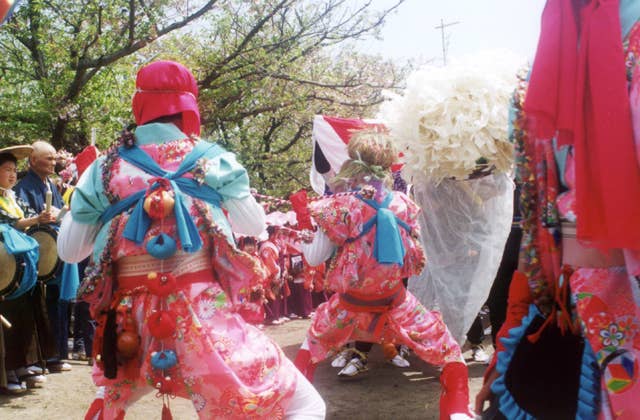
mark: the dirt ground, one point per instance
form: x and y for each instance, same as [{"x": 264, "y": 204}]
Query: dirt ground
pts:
[{"x": 385, "y": 392}]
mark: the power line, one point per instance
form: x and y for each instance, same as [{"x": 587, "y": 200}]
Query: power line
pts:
[{"x": 442, "y": 26}]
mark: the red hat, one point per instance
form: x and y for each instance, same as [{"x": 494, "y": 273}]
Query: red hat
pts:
[
  {"x": 166, "y": 88},
  {"x": 86, "y": 158}
]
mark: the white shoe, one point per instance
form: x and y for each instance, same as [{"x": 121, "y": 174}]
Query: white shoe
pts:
[
  {"x": 479, "y": 355},
  {"x": 353, "y": 368},
  {"x": 400, "y": 361},
  {"x": 341, "y": 359},
  {"x": 35, "y": 381},
  {"x": 460, "y": 416},
  {"x": 14, "y": 388},
  {"x": 60, "y": 367},
  {"x": 29, "y": 371},
  {"x": 23, "y": 372},
  {"x": 14, "y": 385},
  {"x": 404, "y": 351},
  {"x": 37, "y": 370}
]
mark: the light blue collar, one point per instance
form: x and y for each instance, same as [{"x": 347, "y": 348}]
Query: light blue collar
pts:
[{"x": 158, "y": 133}]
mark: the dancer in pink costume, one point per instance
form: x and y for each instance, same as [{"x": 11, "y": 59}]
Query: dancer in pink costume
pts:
[
  {"x": 168, "y": 279},
  {"x": 371, "y": 237}
]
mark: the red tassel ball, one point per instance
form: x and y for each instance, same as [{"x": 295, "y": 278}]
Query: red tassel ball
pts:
[
  {"x": 162, "y": 324},
  {"x": 161, "y": 284}
]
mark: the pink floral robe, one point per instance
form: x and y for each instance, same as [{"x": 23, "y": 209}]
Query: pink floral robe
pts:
[
  {"x": 226, "y": 367},
  {"x": 610, "y": 320},
  {"x": 354, "y": 271}
]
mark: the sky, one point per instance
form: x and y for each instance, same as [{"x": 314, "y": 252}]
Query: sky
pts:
[{"x": 410, "y": 33}]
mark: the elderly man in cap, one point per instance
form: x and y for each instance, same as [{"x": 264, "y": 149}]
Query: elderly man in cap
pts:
[{"x": 33, "y": 189}]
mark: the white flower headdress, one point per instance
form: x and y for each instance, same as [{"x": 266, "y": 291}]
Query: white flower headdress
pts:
[{"x": 452, "y": 121}]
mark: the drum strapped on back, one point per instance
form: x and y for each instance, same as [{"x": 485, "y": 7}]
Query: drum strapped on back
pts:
[
  {"x": 49, "y": 262},
  {"x": 11, "y": 272}
]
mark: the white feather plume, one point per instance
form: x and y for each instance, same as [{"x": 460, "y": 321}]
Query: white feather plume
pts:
[{"x": 449, "y": 117}]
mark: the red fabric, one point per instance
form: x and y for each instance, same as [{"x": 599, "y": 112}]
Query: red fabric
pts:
[
  {"x": 607, "y": 172},
  {"x": 455, "y": 390},
  {"x": 546, "y": 176},
  {"x": 578, "y": 89},
  {"x": 304, "y": 364},
  {"x": 550, "y": 99},
  {"x": 86, "y": 158},
  {"x": 131, "y": 283},
  {"x": 299, "y": 203},
  {"x": 345, "y": 127},
  {"x": 95, "y": 411},
  {"x": 166, "y": 88},
  {"x": 166, "y": 413},
  {"x": 5, "y": 5}
]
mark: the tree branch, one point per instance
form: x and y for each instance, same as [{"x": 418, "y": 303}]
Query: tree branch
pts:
[
  {"x": 132, "y": 22},
  {"x": 141, "y": 43},
  {"x": 297, "y": 136},
  {"x": 215, "y": 72}
]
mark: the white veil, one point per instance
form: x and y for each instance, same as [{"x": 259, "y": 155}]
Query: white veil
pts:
[{"x": 465, "y": 225}]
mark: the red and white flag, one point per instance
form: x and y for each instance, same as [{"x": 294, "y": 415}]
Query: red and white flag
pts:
[
  {"x": 7, "y": 7},
  {"x": 330, "y": 137}
]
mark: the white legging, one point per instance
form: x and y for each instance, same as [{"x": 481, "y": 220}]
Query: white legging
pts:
[{"x": 306, "y": 403}]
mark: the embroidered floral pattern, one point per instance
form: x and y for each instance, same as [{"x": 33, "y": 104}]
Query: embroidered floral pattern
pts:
[
  {"x": 612, "y": 336},
  {"x": 198, "y": 401},
  {"x": 610, "y": 320},
  {"x": 206, "y": 308}
]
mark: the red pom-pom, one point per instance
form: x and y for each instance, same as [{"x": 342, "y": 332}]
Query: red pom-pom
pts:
[
  {"x": 161, "y": 284},
  {"x": 162, "y": 324},
  {"x": 166, "y": 386}
]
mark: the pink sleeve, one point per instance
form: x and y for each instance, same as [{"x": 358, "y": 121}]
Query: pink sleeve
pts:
[{"x": 337, "y": 217}]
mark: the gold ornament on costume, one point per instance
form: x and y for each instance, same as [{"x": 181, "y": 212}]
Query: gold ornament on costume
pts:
[{"x": 159, "y": 204}]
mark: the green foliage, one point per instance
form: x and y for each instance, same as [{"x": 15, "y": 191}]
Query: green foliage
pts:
[
  {"x": 265, "y": 68},
  {"x": 60, "y": 59}
]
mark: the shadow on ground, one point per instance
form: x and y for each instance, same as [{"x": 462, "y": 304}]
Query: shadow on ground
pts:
[{"x": 384, "y": 392}]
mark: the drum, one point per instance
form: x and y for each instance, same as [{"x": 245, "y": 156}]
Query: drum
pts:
[
  {"x": 11, "y": 273},
  {"x": 49, "y": 262}
]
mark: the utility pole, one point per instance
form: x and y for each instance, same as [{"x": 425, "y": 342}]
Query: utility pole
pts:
[{"x": 444, "y": 44}]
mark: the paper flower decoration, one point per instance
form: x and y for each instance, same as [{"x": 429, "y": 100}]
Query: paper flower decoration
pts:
[{"x": 452, "y": 121}]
